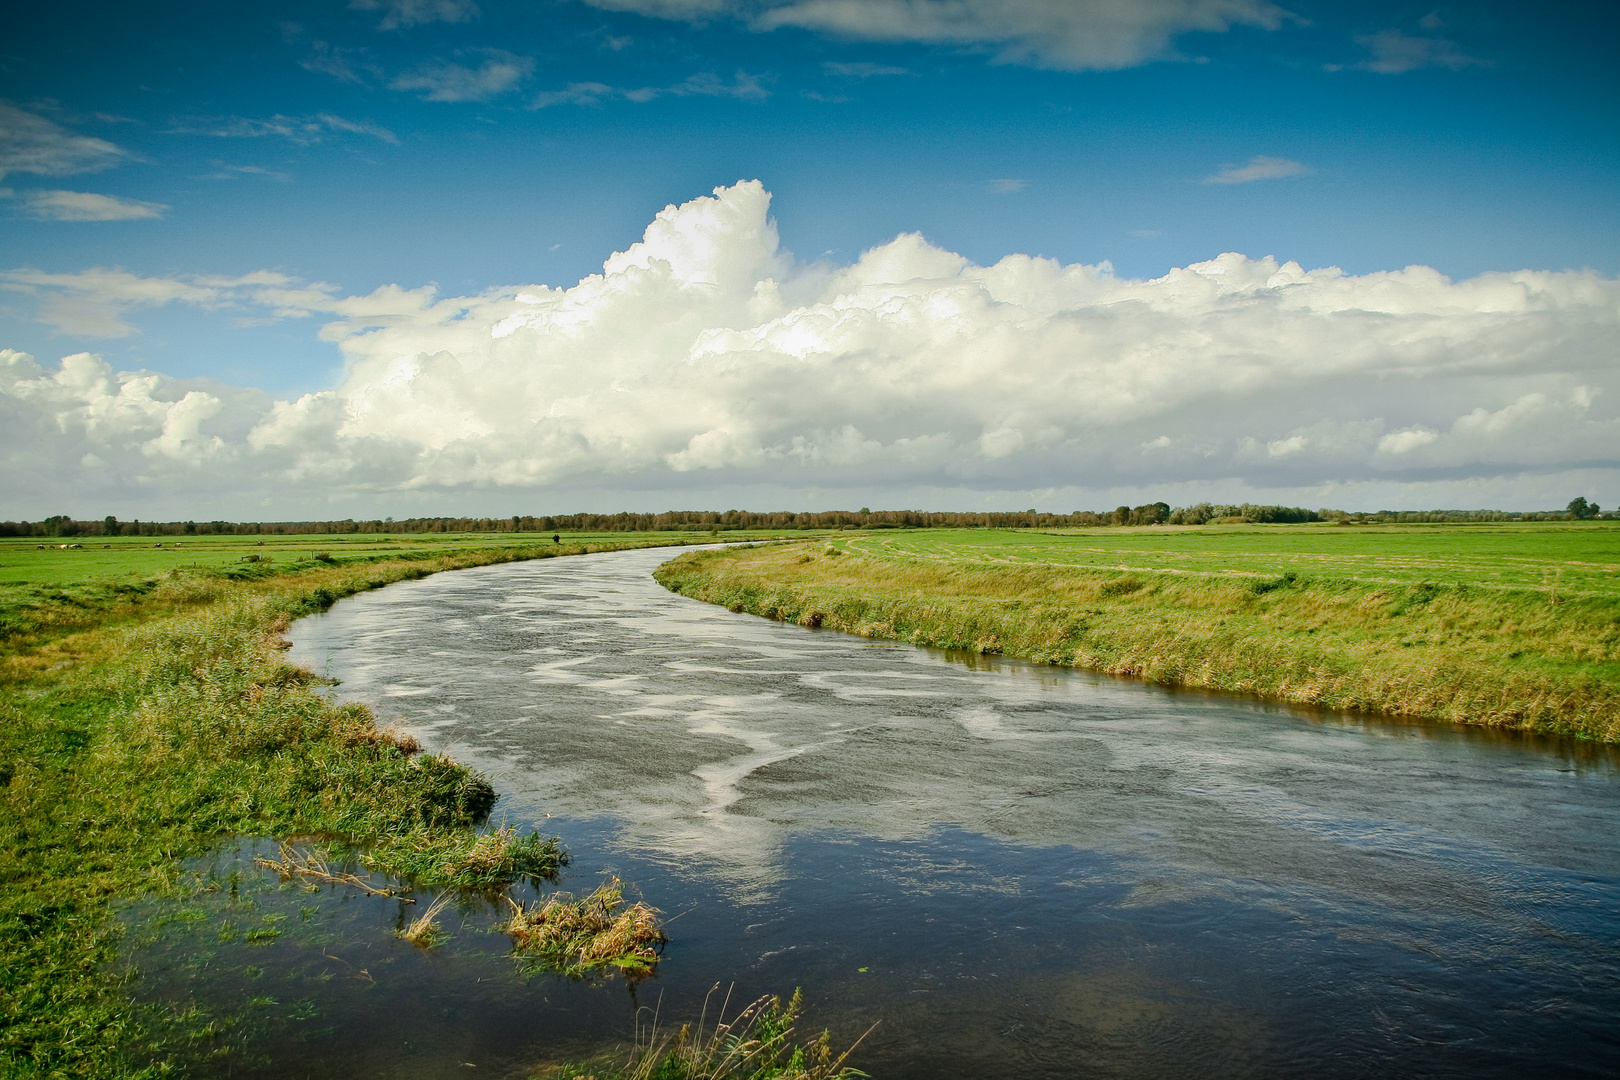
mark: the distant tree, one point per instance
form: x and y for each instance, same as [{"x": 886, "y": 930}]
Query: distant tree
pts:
[
  {"x": 1581, "y": 510},
  {"x": 1122, "y": 515}
]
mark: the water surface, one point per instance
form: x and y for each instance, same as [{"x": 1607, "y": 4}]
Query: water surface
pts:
[{"x": 1019, "y": 871}]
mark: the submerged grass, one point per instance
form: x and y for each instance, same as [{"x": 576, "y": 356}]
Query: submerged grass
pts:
[
  {"x": 140, "y": 725},
  {"x": 1357, "y": 636},
  {"x": 423, "y": 931},
  {"x": 755, "y": 1044}
]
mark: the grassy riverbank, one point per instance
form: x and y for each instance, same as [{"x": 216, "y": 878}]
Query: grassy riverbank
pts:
[
  {"x": 146, "y": 712},
  {"x": 1514, "y": 626}
]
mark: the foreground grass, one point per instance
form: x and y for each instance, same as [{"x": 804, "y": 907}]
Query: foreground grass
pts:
[
  {"x": 1521, "y": 632},
  {"x": 141, "y": 722},
  {"x": 755, "y": 1044}
]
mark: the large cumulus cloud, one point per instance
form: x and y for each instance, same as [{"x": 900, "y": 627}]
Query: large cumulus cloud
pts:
[{"x": 705, "y": 359}]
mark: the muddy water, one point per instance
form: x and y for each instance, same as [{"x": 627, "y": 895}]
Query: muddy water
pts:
[{"x": 1019, "y": 871}]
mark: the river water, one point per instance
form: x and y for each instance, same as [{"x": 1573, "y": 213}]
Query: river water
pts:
[{"x": 1017, "y": 871}]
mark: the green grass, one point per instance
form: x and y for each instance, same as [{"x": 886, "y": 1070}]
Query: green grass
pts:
[
  {"x": 144, "y": 717},
  {"x": 109, "y": 560},
  {"x": 1509, "y": 554},
  {"x": 1504, "y": 625}
]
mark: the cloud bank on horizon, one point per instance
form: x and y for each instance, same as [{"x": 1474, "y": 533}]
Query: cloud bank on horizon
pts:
[{"x": 705, "y": 359}]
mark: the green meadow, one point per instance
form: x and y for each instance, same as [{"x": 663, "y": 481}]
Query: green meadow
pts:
[
  {"x": 1511, "y": 625},
  {"x": 81, "y": 561}
]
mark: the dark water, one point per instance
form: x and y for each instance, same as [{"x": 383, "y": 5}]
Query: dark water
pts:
[{"x": 1019, "y": 871}]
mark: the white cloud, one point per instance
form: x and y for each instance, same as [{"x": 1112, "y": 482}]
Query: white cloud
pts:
[
  {"x": 1007, "y": 186},
  {"x": 1070, "y": 35},
  {"x": 85, "y": 206},
  {"x": 1284, "y": 447},
  {"x": 1259, "y": 167},
  {"x": 706, "y": 359},
  {"x": 302, "y": 130},
  {"x": 500, "y": 73},
  {"x": 1404, "y": 442},
  {"x": 1394, "y": 53},
  {"x": 743, "y": 87},
  {"x": 398, "y": 13},
  {"x": 33, "y": 144}
]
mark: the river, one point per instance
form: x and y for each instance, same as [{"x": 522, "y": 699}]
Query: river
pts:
[{"x": 1015, "y": 870}]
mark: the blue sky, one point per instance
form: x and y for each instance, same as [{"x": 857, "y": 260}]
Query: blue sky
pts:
[{"x": 476, "y": 146}]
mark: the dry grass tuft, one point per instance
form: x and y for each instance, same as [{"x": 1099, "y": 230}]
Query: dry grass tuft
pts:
[
  {"x": 313, "y": 865},
  {"x": 755, "y": 1044},
  {"x": 596, "y": 931},
  {"x": 423, "y": 931}
]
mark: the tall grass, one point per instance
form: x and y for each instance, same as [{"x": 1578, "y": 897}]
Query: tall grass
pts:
[
  {"x": 1509, "y": 658},
  {"x": 754, "y": 1044}
]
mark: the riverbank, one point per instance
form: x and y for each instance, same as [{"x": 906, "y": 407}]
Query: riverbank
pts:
[
  {"x": 1399, "y": 623},
  {"x": 143, "y": 720}
]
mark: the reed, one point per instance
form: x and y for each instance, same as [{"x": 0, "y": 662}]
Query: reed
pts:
[
  {"x": 754, "y": 1044},
  {"x": 423, "y": 931}
]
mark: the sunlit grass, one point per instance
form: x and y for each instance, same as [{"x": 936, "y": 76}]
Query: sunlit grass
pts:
[{"x": 1290, "y": 614}]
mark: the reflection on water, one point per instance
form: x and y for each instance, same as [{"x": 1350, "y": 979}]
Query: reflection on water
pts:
[{"x": 1020, "y": 871}]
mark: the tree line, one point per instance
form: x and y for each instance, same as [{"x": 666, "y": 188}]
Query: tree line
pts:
[{"x": 1158, "y": 513}]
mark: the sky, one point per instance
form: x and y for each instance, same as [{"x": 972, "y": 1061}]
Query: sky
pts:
[{"x": 359, "y": 258}]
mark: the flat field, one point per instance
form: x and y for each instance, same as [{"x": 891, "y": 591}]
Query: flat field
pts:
[
  {"x": 1506, "y": 625},
  {"x": 52, "y": 561},
  {"x": 1582, "y": 557},
  {"x": 49, "y": 585}
]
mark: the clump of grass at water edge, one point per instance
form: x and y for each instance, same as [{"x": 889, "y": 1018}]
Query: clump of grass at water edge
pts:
[{"x": 755, "y": 1044}]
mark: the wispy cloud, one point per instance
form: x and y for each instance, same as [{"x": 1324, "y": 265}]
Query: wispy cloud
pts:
[
  {"x": 1259, "y": 167},
  {"x": 328, "y": 59},
  {"x": 32, "y": 144},
  {"x": 743, "y": 87},
  {"x": 1007, "y": 186},
  {"x": 401, "y": 13},
  {"x": 223, "y": 171},
  {"x": 1070, "y": 35},
  {"x": 1394, "y": 53},
  {"x": 85, "y": 206},
  {"x": 303, "y": 130},
  {"x": 97, "y": 303},
  {"x": 442, "y": 80},
  {"x": 861, "y": 70}
]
